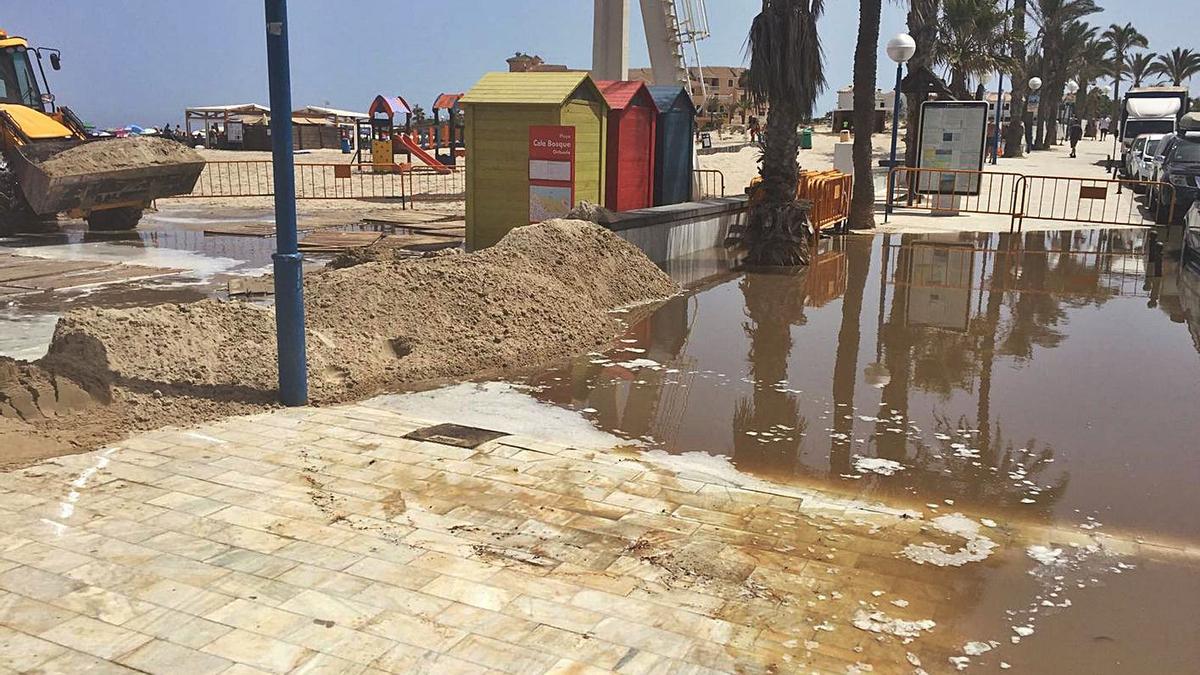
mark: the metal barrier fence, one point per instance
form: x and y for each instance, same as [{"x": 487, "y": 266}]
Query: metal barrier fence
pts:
[
  {"x": 1097, "y": 201},
  {"x": 936, "y": 189},
  {"x": 709, "y": 183},
  {"x": 1107, "y": 201},
  {"x": 255, "y": 178},
  {"x": 428, "y": 184}
]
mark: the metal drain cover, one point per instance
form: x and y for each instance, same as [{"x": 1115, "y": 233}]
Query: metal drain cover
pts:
[{"x": 455, "y": 434}]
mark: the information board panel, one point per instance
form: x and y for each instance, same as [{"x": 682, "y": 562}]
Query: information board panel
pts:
[
  {"x": 952, "y": 136},
  {"x": 551, "y": 172}
]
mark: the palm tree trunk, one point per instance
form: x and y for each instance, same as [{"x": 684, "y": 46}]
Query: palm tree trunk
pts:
[
  {"x": 922, "y": 26},
  {"x": 779, "y": 227},
  {"x": 862, "y": 202},
  {"x": 1015, "y": 140}
]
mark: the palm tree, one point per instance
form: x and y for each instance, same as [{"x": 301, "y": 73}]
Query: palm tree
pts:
[
  {"x": 1139, "y": 66},
  {"x": 923, "y": 27},
  {"x": 743, "y": 106},
  {"x": 1059, "y": 26},
  {"x": 971, "y": 40},
  {"x": 1177, "y": 65},
  {"x": 786, "y": 72},
  {"x": 1121, "y": 39},
  {"x": 1090, "y": 65},
  {"x": 1014, "y": 141},
  {"x": 1079, "y": 48},
  {"x": 866, "y": 56}
]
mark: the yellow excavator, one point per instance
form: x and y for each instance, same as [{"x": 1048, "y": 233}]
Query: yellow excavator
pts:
[{"x": 49, "y": 164}]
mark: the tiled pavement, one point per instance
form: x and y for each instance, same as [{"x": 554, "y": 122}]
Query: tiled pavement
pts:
[{"x": 321, "y": 540}]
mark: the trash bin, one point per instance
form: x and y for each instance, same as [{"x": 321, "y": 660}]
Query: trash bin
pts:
[
  {"x": 806, "y": 138},
  {"x": 345, "y": 146}
]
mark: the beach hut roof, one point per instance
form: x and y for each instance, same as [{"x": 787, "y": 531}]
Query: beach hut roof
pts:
[
  {"x": 666, "y": 96},
  {"x": 620, "y": 93},
  {"x": 531, "y": 88}
]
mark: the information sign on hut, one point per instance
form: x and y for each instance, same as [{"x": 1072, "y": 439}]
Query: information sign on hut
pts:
[
  {"x": 551, "y": 172},
  {"x": 505, "y": 113}
]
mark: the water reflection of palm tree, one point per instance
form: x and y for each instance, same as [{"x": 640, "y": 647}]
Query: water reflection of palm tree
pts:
[
  {"x": 897, "y": 355},
  {"x": 774, "y": 303},
  {"x": 845, "y": 366},
  {"x": 946, "y": 360}
]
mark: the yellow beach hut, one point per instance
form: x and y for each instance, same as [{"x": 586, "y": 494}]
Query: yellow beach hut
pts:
[{"x": 535, "y": 149}]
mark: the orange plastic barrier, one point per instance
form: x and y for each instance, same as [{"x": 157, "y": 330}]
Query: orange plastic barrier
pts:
[{"x": 829, "y": 191}]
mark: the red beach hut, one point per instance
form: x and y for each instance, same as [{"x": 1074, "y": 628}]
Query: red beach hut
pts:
[{"x": 631, "y": 119}]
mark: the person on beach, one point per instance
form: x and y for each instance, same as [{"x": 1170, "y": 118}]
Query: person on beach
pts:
[{"x": 1074, "y": 133}]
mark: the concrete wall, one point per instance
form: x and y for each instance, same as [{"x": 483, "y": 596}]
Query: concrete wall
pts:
[{"x": 671, "y": 234}]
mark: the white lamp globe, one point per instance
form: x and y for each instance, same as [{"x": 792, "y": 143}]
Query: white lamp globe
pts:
[
  {"x": 1035, "y": 83},
  {"x": 901, "y": 48},
  {"x": 1072, "y": 87}
]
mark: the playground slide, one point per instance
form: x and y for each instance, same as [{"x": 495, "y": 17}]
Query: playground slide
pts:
[{"x": 425, "y": 157}]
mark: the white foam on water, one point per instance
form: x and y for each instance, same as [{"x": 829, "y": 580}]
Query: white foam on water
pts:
[
  {"x": 974, "y": 648},
  {"x": 883, "y": 467},
  {"x": 1044, "y": 554},
  {"x": 976, "y": 548},
  {"x": 878, "y": 622},
  {"x": 192, "y": 263},
  {"x": 500, "y": 406},
  {"x": 635, "y": 364},
  {"x": 25, "y": 336},
  {"x": 718, "y": 469}
]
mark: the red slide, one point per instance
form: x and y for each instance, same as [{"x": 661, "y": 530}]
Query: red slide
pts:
[{"x": 420, "y": 154}]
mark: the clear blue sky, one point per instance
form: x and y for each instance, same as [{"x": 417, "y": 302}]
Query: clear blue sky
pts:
[{"x": 143, "y": 61}]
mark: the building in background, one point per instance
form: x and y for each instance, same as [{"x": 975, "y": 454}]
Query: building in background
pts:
[
  {"x": 1007, "y": 112},
  {"x": 843, "y": 117},
  {"x": 521, "y": 62},
  {"x": 722, "y": 86}
]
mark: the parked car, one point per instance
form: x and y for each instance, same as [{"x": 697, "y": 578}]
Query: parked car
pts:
[
  {"x": 1137, "y": 165},
  {"x": 1180, "y": 167}
]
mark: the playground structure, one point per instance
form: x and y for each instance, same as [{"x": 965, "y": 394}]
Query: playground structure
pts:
[
  {"x": 451, "y": 131},
  {"x": 389, "y": 137}
]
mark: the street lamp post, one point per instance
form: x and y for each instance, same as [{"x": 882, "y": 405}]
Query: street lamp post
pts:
[
  {"x": 1072, "y": 89},
  {"x": 1035, "y": 83},
  {"x": 899, "y": 49}
]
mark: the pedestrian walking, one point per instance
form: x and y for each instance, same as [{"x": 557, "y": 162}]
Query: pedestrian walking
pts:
[
  {"x": 990, "y": 153},
  {"x": 1074, "y": 133},
  {"x": 1103, "y": 128}
]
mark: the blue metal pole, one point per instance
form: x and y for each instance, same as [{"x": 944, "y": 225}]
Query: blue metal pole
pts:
[
  {"x": 289, "y": 289},
  {"x": 887, "y": 209}
]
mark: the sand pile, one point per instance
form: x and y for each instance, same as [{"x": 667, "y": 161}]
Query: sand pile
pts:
[
  {"x": 544, "y": 292},
  {"x": 118, "y": 153}
]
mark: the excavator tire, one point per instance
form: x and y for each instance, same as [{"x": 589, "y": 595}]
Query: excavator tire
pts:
[
  {"x": 124, "y": 218},
  {"x": 15, "y": 214}
]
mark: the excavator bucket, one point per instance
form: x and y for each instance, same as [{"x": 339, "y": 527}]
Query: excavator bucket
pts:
[{"x": 67, "y": 175}]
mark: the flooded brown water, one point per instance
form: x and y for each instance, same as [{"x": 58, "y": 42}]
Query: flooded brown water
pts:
[
  {"x": 1054, "y": 377},
  {"x": 1047, "y": 379}
]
